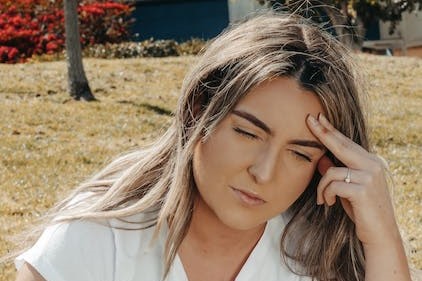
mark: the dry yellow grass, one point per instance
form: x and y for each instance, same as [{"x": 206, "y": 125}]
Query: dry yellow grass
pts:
[{"x": 49, "y": 143}]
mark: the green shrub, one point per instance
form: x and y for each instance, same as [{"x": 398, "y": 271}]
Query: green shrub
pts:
[{"x": 147, "y": 48}]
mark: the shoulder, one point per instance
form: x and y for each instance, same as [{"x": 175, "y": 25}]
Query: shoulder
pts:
[
  {"x": 73, "y": 251},
  {"x": 91, "y": 249}
]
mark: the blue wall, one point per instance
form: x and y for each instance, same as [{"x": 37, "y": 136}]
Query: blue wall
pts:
[
  {"x": 180, "y": 20},
  {"x": 373, "y": 31}
]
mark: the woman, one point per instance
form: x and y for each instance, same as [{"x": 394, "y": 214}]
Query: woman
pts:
[{"x": 264, "y": 174}]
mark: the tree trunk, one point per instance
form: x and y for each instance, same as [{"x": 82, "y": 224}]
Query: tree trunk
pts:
[{"x": 78, "y": 86}]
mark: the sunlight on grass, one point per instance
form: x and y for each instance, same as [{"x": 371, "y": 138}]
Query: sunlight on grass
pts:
[{"x": 49, "y": 143}]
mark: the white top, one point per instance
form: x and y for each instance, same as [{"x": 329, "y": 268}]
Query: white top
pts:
[{"x": 89, "y": 251}]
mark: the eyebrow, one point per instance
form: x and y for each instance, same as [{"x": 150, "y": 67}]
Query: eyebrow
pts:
[
  {"x": 251, "y": 118},
  {"x": 309, "y": 143}
]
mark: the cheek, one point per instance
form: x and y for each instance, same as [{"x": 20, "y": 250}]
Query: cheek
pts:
[
  {"x": 295, "y": 181},
  {"x": 220, "y": 155},
  {"x": 304, "y": 176},
  {"x": 202, "y": 167},
  {"x": 290, "y": 188},
  {"x": 209, "y": 162}
]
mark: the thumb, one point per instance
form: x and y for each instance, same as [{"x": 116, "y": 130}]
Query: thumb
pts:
[{"x": 323, "y": 164}]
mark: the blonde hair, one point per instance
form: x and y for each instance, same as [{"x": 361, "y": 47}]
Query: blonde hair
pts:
[{"x": 158, "y": 178}]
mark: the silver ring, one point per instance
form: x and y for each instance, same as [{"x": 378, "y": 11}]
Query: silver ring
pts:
[{"x": 347, "y": 179}]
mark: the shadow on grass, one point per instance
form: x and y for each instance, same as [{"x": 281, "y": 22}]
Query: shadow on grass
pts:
[{"x": 157, "y": 109}]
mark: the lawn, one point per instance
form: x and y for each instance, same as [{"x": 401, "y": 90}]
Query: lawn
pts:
[{"x": 49, "y": 143}]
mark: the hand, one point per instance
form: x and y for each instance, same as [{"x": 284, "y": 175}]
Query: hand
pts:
[{"x": 365, "y": 198}]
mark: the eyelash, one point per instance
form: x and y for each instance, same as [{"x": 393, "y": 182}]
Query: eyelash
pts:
[
  {"x": 244, "y": 133},
  {"x": 301, "y": 156},
  {"x": 298, "y": 155}
]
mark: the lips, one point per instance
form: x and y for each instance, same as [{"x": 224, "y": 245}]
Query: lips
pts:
[{"x": 248, "y": 198}]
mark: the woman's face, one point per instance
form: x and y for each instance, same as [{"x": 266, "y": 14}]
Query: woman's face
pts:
[{"x": 261, "y": 157}]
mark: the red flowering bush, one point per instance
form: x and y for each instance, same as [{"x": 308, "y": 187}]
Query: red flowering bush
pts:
[{"x": 29, "y": 27}]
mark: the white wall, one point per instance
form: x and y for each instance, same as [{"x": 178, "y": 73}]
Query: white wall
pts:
[
  {"x": 409, "y": 29},
  {"x": 239, "y": 9}
]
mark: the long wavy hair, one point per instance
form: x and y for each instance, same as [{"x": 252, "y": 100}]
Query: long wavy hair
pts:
[{"x": 158, "y": 178}]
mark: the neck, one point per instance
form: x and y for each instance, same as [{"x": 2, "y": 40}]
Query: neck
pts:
[
  {"x": 213, "y": 248},
  {"x": 208, "y": 233}
]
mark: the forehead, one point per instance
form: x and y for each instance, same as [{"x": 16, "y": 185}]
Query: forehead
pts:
[{"x": 282, "y": 104}]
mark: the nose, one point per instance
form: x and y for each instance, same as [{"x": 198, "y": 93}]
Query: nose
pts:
[{"x": 264, "y": 167}]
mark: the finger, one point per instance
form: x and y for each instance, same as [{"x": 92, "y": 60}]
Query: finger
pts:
[
  {"x": 323, "y": 164},
  {"x": 340, "y": 189},
  {"x": 324, "y": 122},
  {"x": 341, "y": 137},
  {"x": 348, "y": 152},
  {"x": 339, "y": 174},
  {"x": 372, "y": 159}
]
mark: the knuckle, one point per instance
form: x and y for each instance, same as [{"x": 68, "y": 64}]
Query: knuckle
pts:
[
  {"x": 377, "y": 167},
  {"x": 329, "y": 191},
  {"x": 340, "y": 146},
  {"x": 381, "y": 160},
  {"x": 330, "y": 172},
  {"x": 320, "y": 187},
  {"x": 367, "y": 179},
  {"x": 361, "y": 193},
  {"x": 344, "y": 144},
  {"x": 323, "y": 130}
]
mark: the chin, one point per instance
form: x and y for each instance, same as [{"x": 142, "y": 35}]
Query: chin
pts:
[{"x": 241, "y": 223}]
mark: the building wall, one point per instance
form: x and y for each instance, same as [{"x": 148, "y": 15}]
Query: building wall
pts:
[
  {"x": 179, "y": 19},
  {"x": 239, "y": 9},
  {"x": 409, "y": 29}
]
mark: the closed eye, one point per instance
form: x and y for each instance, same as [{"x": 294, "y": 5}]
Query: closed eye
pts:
[
  {"x": 301, "y": 156},
  {"x": 245, "y": 133}
]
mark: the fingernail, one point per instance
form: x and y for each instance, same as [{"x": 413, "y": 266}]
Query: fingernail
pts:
[
  {"x": 324, "y": 121},
  {"x": 313, "y": 120},
  {"x": 322, "y": 118}
]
